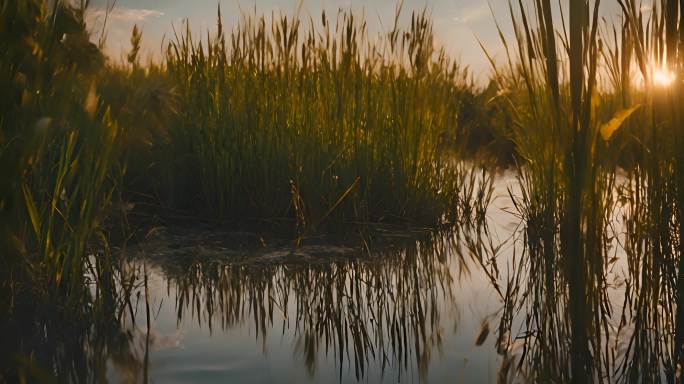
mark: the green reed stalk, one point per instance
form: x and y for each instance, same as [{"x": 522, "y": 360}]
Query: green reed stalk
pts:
[
  {"x": 657, "y": 234},
  {"x": 566, "y": 181},
  {"x": 319, "y": 126},
  {"x": 61, "y": 140}
]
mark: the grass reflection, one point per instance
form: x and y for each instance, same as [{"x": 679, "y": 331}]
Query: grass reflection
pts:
[{"x": 382, "y": 311}]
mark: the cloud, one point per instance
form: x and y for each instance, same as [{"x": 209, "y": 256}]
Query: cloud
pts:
[
  {"x": 472, "y": 14},
  {"x": 124, "y": 14}
]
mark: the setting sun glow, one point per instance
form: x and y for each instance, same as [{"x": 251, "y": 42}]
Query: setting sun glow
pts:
[{"x": 663, "y": 77}]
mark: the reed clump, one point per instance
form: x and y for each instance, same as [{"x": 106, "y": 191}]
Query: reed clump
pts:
[
  {"x": 561, "y": 126},
  {"x": 316, "y": 125},
  {"x": 653, "y": 39},
  {"x": 59, "y": 151},
  {"x": 568, "y": 129},
  {"x": 58, "y": 144}
]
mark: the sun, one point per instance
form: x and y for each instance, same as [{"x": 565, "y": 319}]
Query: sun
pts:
[{"x": 663, "y": 77}]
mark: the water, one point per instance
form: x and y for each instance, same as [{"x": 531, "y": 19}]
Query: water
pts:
[
  {"x": 404, "y": 310},
  {"x": 206, "y": 306}
]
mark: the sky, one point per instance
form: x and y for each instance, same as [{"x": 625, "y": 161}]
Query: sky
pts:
[{"x": 458, "y": 24}]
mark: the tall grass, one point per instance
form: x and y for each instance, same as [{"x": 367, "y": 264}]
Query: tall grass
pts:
[
  {"x": 58, "y": 142},
  {"x": 567, "y": 132},
  {"x": 566, "y": 177},
  {"x": 281, "y": 119},
  {"x": 658, "y": 192},
  {"x": 58, "y": 155}
]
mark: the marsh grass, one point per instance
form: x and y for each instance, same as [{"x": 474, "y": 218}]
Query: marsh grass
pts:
[
  {"x": 317, "y": 123},
  {"x": 550, "y": 87},
  {"x": 655, "y": 231},
  {"x": 58, "y": 156},
  {"x": 573, "y": 132}
]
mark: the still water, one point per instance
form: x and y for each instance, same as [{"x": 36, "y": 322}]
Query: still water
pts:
[
  {"x": 401, "y": 310},
  {"x": 479, "y": 303}
]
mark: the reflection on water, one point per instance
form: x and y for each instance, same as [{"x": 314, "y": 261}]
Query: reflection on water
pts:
[
  {"x": 477, "y": 304},
  {"x": 335, "y": 313}
]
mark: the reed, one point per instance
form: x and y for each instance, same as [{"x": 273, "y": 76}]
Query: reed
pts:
[
  {"x": 59, "y": 143},
  {"x": 656, "y": 238},
  {"x": 318, "y": 125},
  {"x": 562, "y": 124},
  {"x": 58, "y": 157}
]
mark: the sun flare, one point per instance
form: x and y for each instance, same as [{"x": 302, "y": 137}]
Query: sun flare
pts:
[{"x": 663, "y": 77}]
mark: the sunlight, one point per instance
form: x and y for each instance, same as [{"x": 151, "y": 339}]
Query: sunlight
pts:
[{"x": 663, "y": 77}]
